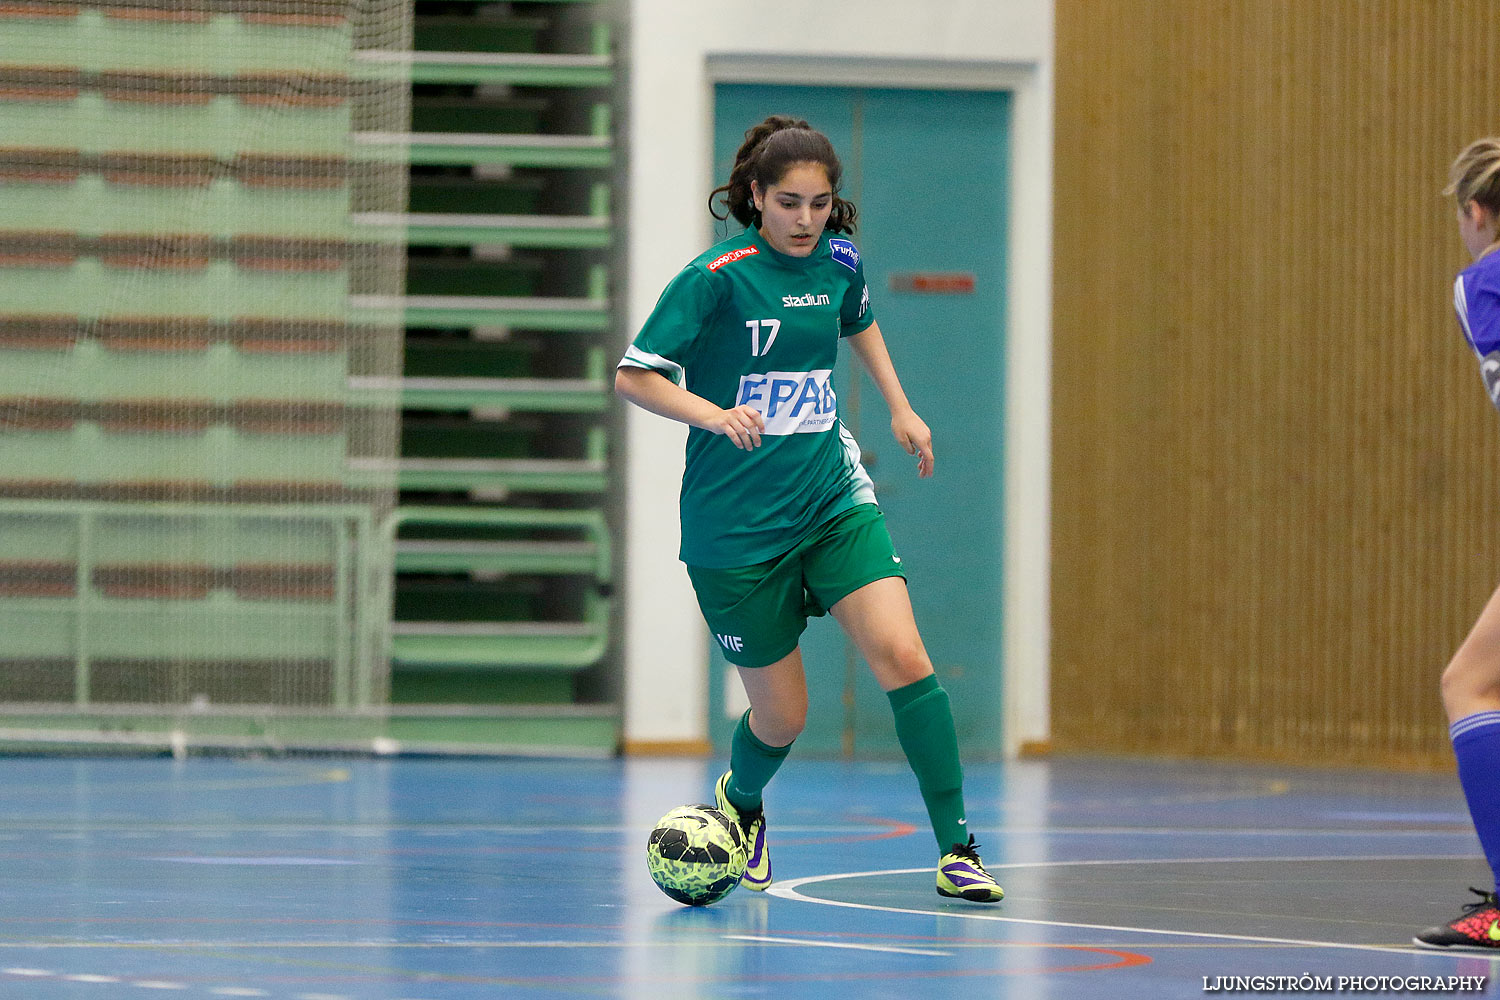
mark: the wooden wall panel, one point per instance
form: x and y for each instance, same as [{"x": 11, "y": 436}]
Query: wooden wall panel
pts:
[{"x": 1275, "y": 498}]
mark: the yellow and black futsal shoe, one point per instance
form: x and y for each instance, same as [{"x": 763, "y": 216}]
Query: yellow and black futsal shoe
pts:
[
  {"x": 753, "y": 823},
  {"x": 1476, "y": 929},
  {"x": 961, "y": 875}
]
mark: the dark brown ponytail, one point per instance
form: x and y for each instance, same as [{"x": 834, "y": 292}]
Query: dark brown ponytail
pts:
[{"x": 769, "y": 150}]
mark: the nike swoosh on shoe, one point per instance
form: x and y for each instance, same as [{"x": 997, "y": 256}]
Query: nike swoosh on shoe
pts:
[{"x": 964, "y": 880}]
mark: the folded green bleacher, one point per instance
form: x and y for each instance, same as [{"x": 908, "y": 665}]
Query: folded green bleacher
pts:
[{"x": 502, "y": 546}]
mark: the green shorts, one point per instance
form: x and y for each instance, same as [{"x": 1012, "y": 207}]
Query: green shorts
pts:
[{"x": 758, "y": 613}]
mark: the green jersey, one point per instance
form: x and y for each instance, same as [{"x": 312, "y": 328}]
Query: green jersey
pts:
[{"x": 747, "y": 325}]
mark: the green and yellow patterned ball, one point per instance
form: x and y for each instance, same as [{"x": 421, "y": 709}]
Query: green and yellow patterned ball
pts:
[{"x": 696, "y": 854}]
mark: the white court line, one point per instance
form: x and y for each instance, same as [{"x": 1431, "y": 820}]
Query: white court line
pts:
[
  {"x": 788, "y": 890},
  {"x": 836, "y": 944},
  {"x": 1138, "y": 831},
  {"x": 469, "y": 945},
  {"x": 221, "y": 831}
]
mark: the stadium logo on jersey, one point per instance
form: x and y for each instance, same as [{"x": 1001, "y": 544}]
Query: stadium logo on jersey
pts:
[
  {"x": 844, "y": 252},
  {"x": 732, "y": 256},
  {"x": 798, "y": 301},
  {"x": 791, "y": 402}
]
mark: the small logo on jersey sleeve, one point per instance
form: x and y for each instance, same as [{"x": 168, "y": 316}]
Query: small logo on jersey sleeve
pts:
[
  {"x": 734, "y": 255},
  {"x": 845, "y": 253}
]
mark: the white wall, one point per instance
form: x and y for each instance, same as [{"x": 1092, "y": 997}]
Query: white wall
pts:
[{"x": 677, "y": 50}]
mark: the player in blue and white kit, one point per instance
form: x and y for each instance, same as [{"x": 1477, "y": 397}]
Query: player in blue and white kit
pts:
[{"x": 1471, "y": 684}]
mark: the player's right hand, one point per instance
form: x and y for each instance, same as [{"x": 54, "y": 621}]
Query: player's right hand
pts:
[{"x": 742, "y": 425}]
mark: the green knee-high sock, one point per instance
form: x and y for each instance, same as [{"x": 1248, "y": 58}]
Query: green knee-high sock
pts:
[
  {"x": 924, "y": 725},
  {"x": 752, "y": 763}
]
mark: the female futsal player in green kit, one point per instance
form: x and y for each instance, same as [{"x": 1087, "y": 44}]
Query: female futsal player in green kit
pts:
[{"x": 778, "y": 516}]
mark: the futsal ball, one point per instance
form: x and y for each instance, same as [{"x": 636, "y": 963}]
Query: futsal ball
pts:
[{"x": 696, "y": 854}]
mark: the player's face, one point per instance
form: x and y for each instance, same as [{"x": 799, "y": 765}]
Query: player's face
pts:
[
  {"x": 794, "y": 209},
  {"x": 1477, "y": 227}
]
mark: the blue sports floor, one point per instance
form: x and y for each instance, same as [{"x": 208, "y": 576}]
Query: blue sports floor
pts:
[{"x": 422, "y": 879}]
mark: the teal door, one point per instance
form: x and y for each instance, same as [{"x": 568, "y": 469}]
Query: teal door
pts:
[{"x": 927, "y": 169}]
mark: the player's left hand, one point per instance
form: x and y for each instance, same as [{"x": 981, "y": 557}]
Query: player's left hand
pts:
[{"x": 911, "y": 433}]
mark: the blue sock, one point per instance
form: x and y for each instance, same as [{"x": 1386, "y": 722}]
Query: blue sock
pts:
[{"x": 1476, "y": 744}]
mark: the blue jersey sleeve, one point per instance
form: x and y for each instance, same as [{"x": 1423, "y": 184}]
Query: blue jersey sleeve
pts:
[{"x": 1477, "y": 302}]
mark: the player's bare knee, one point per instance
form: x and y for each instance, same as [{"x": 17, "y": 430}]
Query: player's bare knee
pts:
[
  {"x": 1453, "y": 679},
  {"x": 905, "y": 663},
  {"x": 795, "y": 720},
  {"x": 783, "y": 732},
  {"x": 781, "y": 725},
  {"x": 1453, "y": 689},
  {"x": 1470, "y": 682}
]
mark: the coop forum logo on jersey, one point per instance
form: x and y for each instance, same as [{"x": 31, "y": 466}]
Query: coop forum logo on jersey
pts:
[
  {"x": 798, "y": 301},
  {"x": 791, "y": 402},
  {"x": 731, "y": 257}
]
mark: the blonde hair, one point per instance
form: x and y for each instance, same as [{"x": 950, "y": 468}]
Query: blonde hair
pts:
[{"x": 1475, "y": 175}]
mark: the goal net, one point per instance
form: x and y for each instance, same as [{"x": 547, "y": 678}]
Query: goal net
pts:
[{"x": 190, "y": 495}]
